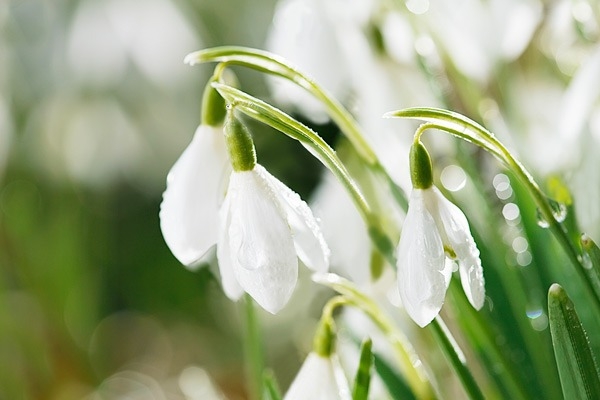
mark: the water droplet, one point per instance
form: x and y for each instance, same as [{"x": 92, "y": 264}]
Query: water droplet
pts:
[
  {"x": 424, "y": 46},
  {"x": 586, "y": 261},
  {"x": 524, "y": 258},
  {"x": 520, "y": 244},
  {"x": 510, "y": 211},
  {"x": 417, "y": 6},
  {"x": 453, "y": 178},
  {"x": 504, "y": 194},
  {"x": 559, "y": 212},
  {"x": 500, "y": 181},
  {"x": 537, "y": 318}
]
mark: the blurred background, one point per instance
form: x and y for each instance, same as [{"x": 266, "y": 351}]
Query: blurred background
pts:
[{"x": 96, "y": 105}]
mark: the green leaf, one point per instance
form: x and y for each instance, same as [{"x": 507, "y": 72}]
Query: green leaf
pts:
[
  {"x": 591, "y": 261},
  {"x": 360, "y": 391},
  {"x": 395, "y": 385},
  {"x": 270, "y": 387},
  {"x": 576, "y": 365}
]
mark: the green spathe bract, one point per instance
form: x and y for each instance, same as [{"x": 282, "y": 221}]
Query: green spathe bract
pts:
[
  {"x": 239, "y": 143},
  {"x": 420, "y": 167},
  {"x": 213, "y": 106}
]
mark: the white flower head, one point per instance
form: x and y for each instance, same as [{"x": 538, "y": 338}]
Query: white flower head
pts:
[
  {"x": 264, "y": 228},
  {"x": 261, "y": 227},
  {"x": 320, "y": 378},
  {"x": 434, "y": 226}
]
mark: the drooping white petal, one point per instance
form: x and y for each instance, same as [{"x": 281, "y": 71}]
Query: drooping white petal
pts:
[
  {"x": 471, "y": 278},
  {"x": 231, "y": 287},
  {"x": 308, "y": 240},
  {"x": 423, "y": 275},
  {"x": 456, "y": 228},
  {"x": 320, "y": 378},
  {"x": 188, "y": 212},
  {"x": 260, "y": 242}
]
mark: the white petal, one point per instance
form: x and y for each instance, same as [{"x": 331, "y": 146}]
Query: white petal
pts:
[
  {"x": 188, "y": 212},
  {"x": 231, "y": 287},
  {"x": 308, "y": 240},
  {"x": 320, "y": 378},
  {"x": 471, "y": 278},
  {"x": 456, "y": 228},
  {"x": 423, "y": 275},
  {"x": 260, "y": 242}
]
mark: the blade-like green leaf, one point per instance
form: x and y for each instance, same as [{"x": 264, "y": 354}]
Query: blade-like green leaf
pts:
[
  {"x": 591, "y": 261},
  {"x": 576, "y": 365},
  {"x": 395, "y": 385},
  {"x": 360, "y": 390}
]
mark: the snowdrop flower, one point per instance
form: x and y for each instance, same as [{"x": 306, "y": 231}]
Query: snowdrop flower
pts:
[
  {"x": 434, "y": 226},
  {"x": 320, "y": 378},
  {"x": 264, "y": 227},
  {"x": 261, "y": 228}
]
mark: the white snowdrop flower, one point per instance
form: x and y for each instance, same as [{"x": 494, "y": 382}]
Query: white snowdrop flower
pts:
[
  {"x": 320, "y": 378},
  {"x": 434, "y": 226},
  {"x": 264, "y": 228},
  {"x": 261, "y": 228}
]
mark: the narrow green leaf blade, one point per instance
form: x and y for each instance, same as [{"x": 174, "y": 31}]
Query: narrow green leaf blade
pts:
[
  {"x": 394, "y": 383},
  {"x": 576, "y": 365},
  {"x": 360, "y": 391},
  {"x": 591, "y": 261}
]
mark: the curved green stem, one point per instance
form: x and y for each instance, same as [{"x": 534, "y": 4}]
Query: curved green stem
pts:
[
  {"x": 324, "y": 339},
  {"x": 272, "y": 64},
  {"x": 404, "y": 351},
  {"x": 469, "y": 130}
]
